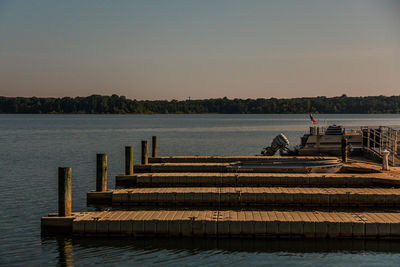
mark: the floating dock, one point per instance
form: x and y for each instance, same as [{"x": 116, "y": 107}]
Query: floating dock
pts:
[
  {"x": 200, "y": 196},
  {"x": 282, "y": 224},
  {"x": 247, "y": 196},
  {"x": 230, "y": 159},
  {"x": 258, "y": 179}
]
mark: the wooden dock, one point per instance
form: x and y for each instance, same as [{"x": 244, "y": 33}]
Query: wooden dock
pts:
[
  {"x": 198, "y": 196},
  {"x": 282, "y": 224},
  {"x": 258, "y": 179},
  {"x": 230, "y": 159},
  {"x": 247, "y": 196}
]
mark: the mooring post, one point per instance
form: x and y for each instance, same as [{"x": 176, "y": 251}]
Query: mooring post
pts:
[
  {"x": 145, "y": 153},
  {"x": 344, "y": 150},
  {"x": 129, "y": 160},
  {"x": 101, "y": 172},
  {"x": 393, "y": 152},
  {"x": 154, "y": 147},
  {"x": 64, "y": 191},
  {"x": 394, "y": 148},
  {"x": 318, "y": 138},
  {"x": 385, "y": 160}
]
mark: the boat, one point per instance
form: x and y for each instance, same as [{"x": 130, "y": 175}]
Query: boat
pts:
[
  {"x": 373, "y": 142},
  {"x": 328, "y": 141},
  {"x": 320, "y": 141}
]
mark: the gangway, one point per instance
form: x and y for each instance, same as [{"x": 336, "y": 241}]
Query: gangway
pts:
[{"x": 377, "y": 140}]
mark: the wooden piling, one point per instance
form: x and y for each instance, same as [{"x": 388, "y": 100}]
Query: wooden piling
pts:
[
  {"x": 64, "y": 191},
  {"x": 145, "y": 153},
  {"x": 318, "y": 138},
  {"x": 128, "y": 160},
  {"x": 394, "y": 149},
  {"x": 101, "y": 173},
  {"x": 154, "y": 147},
  {"x": 344, "y": 150}
]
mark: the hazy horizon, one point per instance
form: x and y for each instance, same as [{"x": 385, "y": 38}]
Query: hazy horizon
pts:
[
  {"x": 177, "y": 49},
  {"x": 183, "y": 99}
]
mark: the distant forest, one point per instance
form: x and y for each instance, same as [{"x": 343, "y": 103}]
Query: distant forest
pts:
[{"x": 97, "y": 104}]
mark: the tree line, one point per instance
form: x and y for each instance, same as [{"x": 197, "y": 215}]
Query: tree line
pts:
[{"x": 98, "y": 104}]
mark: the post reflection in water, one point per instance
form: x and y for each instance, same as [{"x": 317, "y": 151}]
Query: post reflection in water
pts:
[
  {"x": 64, "y": 252},
  {"x": 261, "y": 245},
  {"x": 172, "y": 250}
]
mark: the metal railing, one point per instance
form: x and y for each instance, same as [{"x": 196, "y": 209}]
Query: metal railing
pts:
[
  {"x": 377, "y": 140},
  {"x": 320, "y": 130}
]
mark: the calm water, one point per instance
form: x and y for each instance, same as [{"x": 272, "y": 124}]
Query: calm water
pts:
[{"x": 33, "y": 146}]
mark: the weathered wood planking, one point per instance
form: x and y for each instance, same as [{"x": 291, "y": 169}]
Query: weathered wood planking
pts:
[
  {"x": 256, "y": 179},
  {"x": 228, "y": 159},
  {"x": 284, "y": 224},
  {"x": 244, "y": 196}
]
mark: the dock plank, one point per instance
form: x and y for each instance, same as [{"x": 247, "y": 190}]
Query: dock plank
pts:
[
  {"x": 244, "y": 223},
  {"x": 229, "y": 196},
  {"x": 258, "y": 179},
  {"x": 228, "y": 159}
]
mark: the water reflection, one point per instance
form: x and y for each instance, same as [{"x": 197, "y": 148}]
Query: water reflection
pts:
[
  {"x": 31, "y": 162},
  {"x": 64, "y": 247},
  {"x": 228, "y": 245}
]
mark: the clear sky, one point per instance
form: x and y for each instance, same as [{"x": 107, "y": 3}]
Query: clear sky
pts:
[{"x": 170, "y": 49}]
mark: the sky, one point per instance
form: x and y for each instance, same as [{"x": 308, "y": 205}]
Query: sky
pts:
[{"x": 176, "y": 49}]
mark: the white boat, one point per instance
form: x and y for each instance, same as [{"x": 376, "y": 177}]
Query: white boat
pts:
[
  {"x": 320, "y": 141},
  {"x": 328, "y": 141},
  {"x": 369, "y": 141}
]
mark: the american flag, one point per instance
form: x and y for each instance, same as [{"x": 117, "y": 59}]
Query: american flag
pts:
[{"x": 313, "y": 120}]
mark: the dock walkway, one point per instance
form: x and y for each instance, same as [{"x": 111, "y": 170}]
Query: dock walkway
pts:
[
  {"x": 198, "y": 196},
  {"x": 212, "y": 179},
  {"x": 316, "y": 224},
  {"x": 230, "y": 159},
  {"x": 246, "y": 196}
]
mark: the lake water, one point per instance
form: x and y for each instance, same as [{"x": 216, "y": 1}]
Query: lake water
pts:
[{"x": 33, "y": 146}]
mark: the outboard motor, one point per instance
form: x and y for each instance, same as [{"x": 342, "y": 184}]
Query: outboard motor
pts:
[{"x": 280, "y": 142}]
